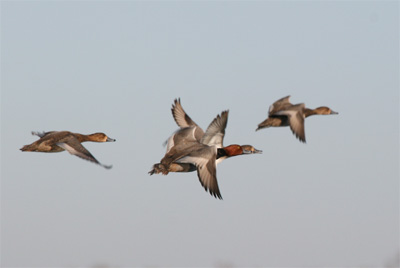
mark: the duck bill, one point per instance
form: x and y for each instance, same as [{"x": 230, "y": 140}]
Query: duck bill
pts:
[
  {"x": 110, "y": 140},
  {"x": 252, "y": 152},
  {"x": 257, "y": 151},
  {"x": 333, "y": 112}
]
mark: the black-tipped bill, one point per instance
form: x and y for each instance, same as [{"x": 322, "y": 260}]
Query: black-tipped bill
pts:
[
  {"x": 257, "y": 151},
  {"x": 109, "y": 139}
]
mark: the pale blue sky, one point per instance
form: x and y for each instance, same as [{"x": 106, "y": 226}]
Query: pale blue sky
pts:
[{"x": 116, "y": 67}]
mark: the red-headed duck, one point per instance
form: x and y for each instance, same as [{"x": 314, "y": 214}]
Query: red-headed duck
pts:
[
  {"x": 282, "y": 113},
  {"x": 58, "y": 141},
  {"x": 205, "y": 158},
  {"x": 191, "y": 149}
]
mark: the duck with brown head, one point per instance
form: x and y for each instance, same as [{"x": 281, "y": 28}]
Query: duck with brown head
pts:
[
  {"x": 191, "y": 149},
  {"x": 234, "y": 150},
  {"x": 58, "y": 141},
  {"x": 206, "y": 158},
  {"x": 323, "y": 110},
  {"x": 282, "y": 113}
]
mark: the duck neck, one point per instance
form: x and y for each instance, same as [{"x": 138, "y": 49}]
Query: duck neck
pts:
[
  {"x": 308, "y": 112},
  {"x": 221, "y": 153},
  {"x": 82, "y": 138},
  {"x": 229, "y": 151}
]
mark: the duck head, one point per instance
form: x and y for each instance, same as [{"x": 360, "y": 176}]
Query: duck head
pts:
[
  {"x": 100, "y": 137},
  {"x": 324, "y": 110},
  {"x": 235, "y": 149}
]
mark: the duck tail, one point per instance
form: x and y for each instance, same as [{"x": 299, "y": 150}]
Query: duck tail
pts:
[
  {"x": 27, "y": 148},
  {"x": 266, "y": 123},
  {"x": 158, "y": 168},
  {"x": 261, "y": 126},
  {"x": 270, "y": 122}
]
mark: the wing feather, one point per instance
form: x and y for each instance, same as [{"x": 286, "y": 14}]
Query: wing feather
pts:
[
  {"x": 296, "y": 120},
  {"x": 181, "y": 118},
  {"x": 205, "y": 162},
  {"x": 73, "y": 146},
  {"x": 216, "y": 131},
  {"x": 279, "y": 105}
]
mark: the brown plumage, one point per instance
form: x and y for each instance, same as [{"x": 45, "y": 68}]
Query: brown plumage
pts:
[
  {"x": 190, "y": 149},
  {"x": 58, "y": 141},
  {"x": 282, "y": 113}
]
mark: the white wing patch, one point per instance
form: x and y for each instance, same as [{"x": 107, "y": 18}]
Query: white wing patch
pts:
[
  {"x": 215, "y": 132},
  {"x": 216, "y": 140},
  {"x": 170, "y": 143},
  {"x": 288, "y": 113},
  {"x": 70, "y": 149},
  {"x": 198, "y": 161},
  {"x": 271, "y": 107}
]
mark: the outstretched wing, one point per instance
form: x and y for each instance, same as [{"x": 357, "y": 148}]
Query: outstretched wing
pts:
[
  {"x": 216, "y": 131},
  {"x": 183, "y": 120},
  {"x": 296, "y": 120},
  {"x": 180, "y": 116},
  {"x": 205, "y": 162},
  {"x": 73, "y": 146},
  {"x": 279, "y": 105}
]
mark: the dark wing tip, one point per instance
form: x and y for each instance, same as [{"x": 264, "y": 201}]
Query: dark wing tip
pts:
[
  {"x": 107, "y": 166},
  {"x": 176, "y": 101},
  {"x": 299, "y": 137},
  {"x": 303, "y": 140},
  {"x": 216, "y": 194}
]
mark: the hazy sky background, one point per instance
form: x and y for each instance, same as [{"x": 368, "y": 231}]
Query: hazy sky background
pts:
[{"x": 116, "y": 67}]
